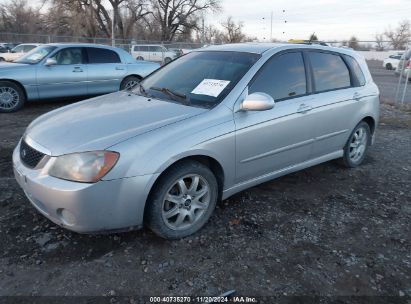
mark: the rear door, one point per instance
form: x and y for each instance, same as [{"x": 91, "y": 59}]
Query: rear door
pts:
[
  {"x": 336, "y": 100},
  {"x": 66, "y": 78},
  {"x": 105, "y": 71},
  {"x": 157, "y": 53},
  {"x": 272, "y": 140}
]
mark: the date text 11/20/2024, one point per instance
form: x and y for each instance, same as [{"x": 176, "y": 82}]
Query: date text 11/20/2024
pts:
[{"x": 203, "y": 299}]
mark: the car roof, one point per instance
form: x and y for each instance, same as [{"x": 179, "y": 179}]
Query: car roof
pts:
[
  {"x": 262, "y": 47},
  {"x": 79, "y": 44},
  {"x": 253, "y": 47}
]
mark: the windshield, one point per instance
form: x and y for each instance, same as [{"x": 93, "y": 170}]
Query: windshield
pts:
[
  {"x": 36, "y": 55},
  {"x": 200, "y": 79}
]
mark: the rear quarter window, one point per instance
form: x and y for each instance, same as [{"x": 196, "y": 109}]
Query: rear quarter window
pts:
[
  {"x": 98, "y": 55},
  {"x": 356, "y": 69}
]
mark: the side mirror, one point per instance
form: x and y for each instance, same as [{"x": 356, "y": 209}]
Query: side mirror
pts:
[
  {"x": 50, "y": 61},
  {"x": 257, "y": 102}
]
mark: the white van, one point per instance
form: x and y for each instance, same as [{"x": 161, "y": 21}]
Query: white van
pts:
[{"x": 152, "y": 52}]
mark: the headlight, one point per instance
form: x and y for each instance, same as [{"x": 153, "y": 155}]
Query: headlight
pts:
[{"x": 87, "y": 167}]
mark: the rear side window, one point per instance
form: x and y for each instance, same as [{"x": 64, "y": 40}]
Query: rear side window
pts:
[
  {"x": 97, "y": 55},
  {"x": 330, "y": 72},
  {"x": 356, "y": 69},
  {"x": 282, "y": 77}
]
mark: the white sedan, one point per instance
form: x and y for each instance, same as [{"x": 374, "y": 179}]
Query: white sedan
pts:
[
  {"x": 391, "y": 62},
  {"x": 18, "y": 51}
]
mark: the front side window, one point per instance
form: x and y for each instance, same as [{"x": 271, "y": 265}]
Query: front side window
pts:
[
  {"x": 200, "y": 79},
  {"x": 69, "y": 56},
  {"x": 330, "y": 72},
  {"x": 28, "y": 48},
  {"x": 98, "y": 55},
  {"x": 282, "y": 77},
  {"x": 36, "y": 55}
]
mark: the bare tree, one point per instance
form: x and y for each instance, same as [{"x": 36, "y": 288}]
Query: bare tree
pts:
[
  {"x": 233, "y": 32},
  {"x": 380, "y": 44},
  {"x": 176, "y": 16},
  {"x": 19, "y": 17},
  {"x": 94, "y": 17},
  {"x": 353, "y": 43},
  {"x": 313, "y": 37},
  {"x": 400, "y": 36}
]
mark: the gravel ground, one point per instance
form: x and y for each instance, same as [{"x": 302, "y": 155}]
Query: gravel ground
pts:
[{"x": 324, "y": 231}]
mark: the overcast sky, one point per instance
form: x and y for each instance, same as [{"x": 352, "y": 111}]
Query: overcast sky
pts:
[{"x": 329, "y": 19}]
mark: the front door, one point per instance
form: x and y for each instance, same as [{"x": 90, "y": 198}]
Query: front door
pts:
[
  {"x": 68, "y": 77},
  {"x": 275, "y": 139}
]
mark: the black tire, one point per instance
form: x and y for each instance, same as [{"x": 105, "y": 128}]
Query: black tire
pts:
[
  {"x": 14, "y": 98},
  {"x": 140, "y": 58},
  {"x": 129, "y": 82},
  {"x": 2, "y": 59},
  {"x": 167, "y": 60},
  {"x": 388, "y": 66},
  {"x": 348, "y": 160},
  {"x": 154, "y": 215}
]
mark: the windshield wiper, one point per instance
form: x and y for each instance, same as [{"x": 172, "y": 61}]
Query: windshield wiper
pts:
[{"x": 174, "y": 95}]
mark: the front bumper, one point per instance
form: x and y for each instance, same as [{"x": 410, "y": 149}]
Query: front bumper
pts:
[{"x": 83, "y": 207}]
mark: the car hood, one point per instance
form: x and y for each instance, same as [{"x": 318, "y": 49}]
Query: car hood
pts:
[
  {"x": 11, "y": 65},
  {"x": 101, "y": 122}
]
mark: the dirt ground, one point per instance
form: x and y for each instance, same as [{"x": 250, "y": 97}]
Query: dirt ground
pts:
[{"x": 324, "y": 231}]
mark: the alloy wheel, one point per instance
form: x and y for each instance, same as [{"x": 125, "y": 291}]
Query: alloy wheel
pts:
[
  {"x": 186, "y": 201},
  {"x": 358, "y": 144},
  {"x": 9, "y": 98}
]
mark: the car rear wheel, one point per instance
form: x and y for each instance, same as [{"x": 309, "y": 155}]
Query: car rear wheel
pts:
[
  {"x": 129, "y": 83},
  {"x": 12, "y": 97},
  {"x": 182, "y": 200},
  {"x": 357, "y": 145},
  {"x": 388, "y": 66},
  {"x": 140, "y": 58},
  {"x": 2, "y": 59}
]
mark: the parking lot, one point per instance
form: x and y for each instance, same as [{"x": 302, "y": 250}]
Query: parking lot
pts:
[
  {"x": 325, "y": 231},
  {"x": 387, "y": 82}
]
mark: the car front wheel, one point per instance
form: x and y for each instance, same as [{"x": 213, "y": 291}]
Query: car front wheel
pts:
[
  {"x": 357, "y": 145},
  {"x": 388, "y": 66},
  {"x": 182, "y": 200},
  {"x": 12, "y": 97}
]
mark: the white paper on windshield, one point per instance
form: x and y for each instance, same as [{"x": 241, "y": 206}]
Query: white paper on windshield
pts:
[{"x": 211, "y": 87}]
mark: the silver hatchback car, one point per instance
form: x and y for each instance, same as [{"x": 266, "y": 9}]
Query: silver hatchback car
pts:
[{"x": 205, "y": 126}]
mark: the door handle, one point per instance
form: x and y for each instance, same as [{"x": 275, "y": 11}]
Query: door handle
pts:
[
  {"x": 357, "y": 96},
  {"x": 77, "y": 70},
  {"x": 119, "y": 69},
  {"x": 303, "y": 108}
]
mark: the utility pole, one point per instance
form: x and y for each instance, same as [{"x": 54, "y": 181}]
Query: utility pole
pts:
[
  {"x": 203, "y": 30},
  {"x": 271, "y": 32},
  {"x": 113, "y": 38}
]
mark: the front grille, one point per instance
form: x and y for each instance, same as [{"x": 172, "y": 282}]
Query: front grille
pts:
[{"x": 29, "y": 156}]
